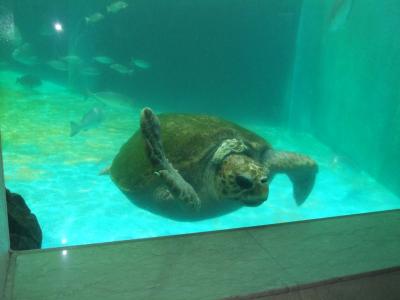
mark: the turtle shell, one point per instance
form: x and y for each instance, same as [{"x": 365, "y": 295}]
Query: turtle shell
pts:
[{"x": 189, "y": 142}]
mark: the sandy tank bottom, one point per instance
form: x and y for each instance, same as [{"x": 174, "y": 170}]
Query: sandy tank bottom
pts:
[{"x": 58, "y": 175}]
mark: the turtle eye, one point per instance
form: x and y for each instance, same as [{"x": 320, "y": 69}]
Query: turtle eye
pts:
[{"x": 244, "y": 182}]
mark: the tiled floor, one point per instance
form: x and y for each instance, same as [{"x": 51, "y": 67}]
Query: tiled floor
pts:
[{"x": 212, "y": 265}]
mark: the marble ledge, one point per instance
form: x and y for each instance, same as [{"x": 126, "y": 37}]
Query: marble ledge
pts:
[
  {"x": 383, "y": 284},
  {"x": 211, "y": 265}
]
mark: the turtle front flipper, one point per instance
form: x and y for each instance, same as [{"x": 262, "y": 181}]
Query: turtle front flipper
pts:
[
  {"x": 177, "y": 185},
  {"x": 301, "y": 170}
]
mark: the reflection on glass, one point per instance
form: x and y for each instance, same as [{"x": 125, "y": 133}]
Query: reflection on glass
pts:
[{"x": 259, "y": 114}]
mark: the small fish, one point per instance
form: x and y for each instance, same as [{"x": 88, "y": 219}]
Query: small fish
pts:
[
  {"x": 121, "y": 69},
  {"x": 339, "y": 14},
  {"x": 58, "y": 65},
  {"x": 91, "y": 119},
  {"x": 140, "y": 63},
  {"x": 105, "y": 60},
  {"x": 116, "y": 6},
  {"x": 25, "y": 55},
  {"x": 113, "y": 100},
  {"x": 72, "y": 59},
  {"x": 29, "y": 81},
  {"x": 90, "y": 71},
  {"x": 94, "y": 18}
]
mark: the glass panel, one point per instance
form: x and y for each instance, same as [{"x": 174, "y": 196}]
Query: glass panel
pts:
[
  {"x": 316, "y": 78},
  {"x": 4, "y": 238}
]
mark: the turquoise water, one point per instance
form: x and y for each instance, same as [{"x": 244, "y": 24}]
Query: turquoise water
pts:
[
  {"x": 59, "y": 176},
  {"x": 283, "y": 69}
]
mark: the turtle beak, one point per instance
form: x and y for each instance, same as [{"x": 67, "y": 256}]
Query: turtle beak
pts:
[
  {"x": 262, "y": 191},
  {"x": 264, "y": 188}
]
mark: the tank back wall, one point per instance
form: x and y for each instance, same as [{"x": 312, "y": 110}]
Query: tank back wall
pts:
[
  {"x": 207, "y": 55},
  {"x": 351, "y": 84}
]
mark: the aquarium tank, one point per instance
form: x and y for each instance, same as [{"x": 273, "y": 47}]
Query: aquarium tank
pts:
[{"x": 144, "y": 118}]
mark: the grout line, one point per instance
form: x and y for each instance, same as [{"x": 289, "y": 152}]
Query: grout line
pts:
[
  {"x": 10, "y": 277},
  {"x": 274, "y": 259}
]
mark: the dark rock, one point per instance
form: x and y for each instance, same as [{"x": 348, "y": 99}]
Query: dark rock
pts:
[{"x": 25, "y": 231}]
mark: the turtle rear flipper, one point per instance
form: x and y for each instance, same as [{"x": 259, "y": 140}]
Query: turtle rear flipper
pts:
[
  {"x": 177, "y": 185},
  {"x": 301, "y": 170}
]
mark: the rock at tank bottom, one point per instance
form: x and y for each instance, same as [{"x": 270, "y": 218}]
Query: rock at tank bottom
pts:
[{"x": 24, "y": 228}]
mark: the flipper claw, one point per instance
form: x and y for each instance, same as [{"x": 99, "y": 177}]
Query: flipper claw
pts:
[{"x": 177, "y": 185}]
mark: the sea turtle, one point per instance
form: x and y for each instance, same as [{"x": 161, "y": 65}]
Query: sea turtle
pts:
[{"x": 187, "y": 166}]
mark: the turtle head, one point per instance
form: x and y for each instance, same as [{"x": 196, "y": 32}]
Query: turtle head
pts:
[{"x": 239, "y": 177}]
